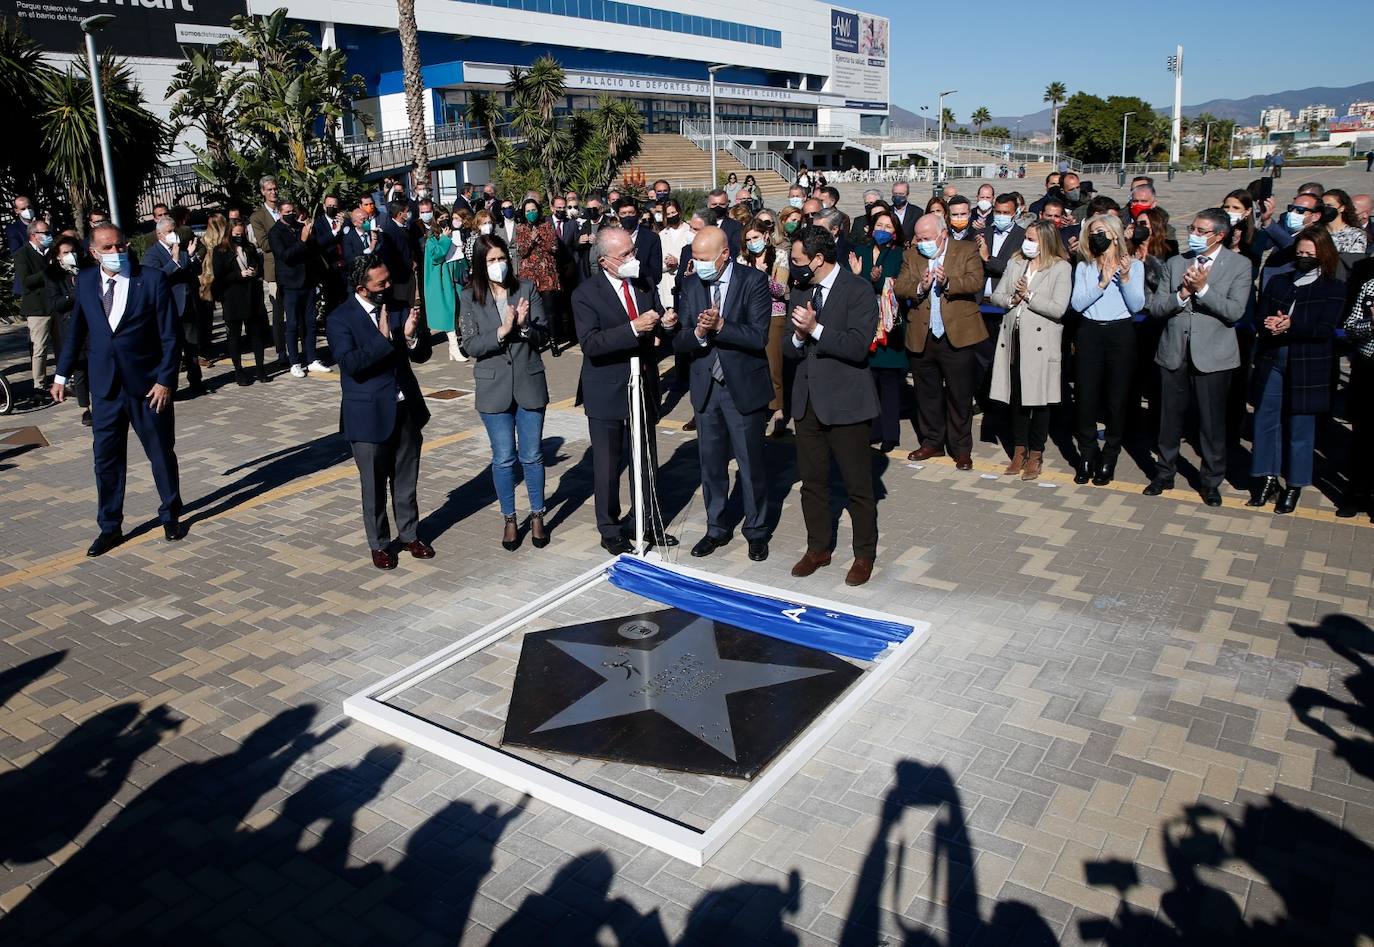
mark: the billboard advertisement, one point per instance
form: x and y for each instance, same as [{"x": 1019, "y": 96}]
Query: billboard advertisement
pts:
[
  {"x": 859, "y": 48},
  {"x": 155, "y": 28}
]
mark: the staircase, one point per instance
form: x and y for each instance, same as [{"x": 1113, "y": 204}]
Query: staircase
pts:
[{"x": 687, "y": 167}]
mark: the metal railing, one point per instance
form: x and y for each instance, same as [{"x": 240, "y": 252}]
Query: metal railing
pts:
[
  {"x": 751, "y": 160},
  {"x": 775, "y": 131},
  {"x": 1130, "y": 167},
  {"x": 390, "y": 148}
]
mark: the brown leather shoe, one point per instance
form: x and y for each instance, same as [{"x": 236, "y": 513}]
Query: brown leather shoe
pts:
[
  {"x": 925, "y": 453},
  {"x": 383, "y": 558},
  {"x": 691, "y": 425},
  {"x": 1018, "y": 460},
  {"x": 1035, "y": 460},
  {"x": 860, "y": 572},
  {"x": 963, "y": 462},
  {"x": 809, "y": 563},
  {"x": 419, "y": 549}
]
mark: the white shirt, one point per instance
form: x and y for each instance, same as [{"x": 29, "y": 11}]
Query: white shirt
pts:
[
  {"x": 121, "y": 302},
  {"x": 999, "y": 237},
  {"x": 723, "y": 281},
  {"x": 825, "y": 285},
  {"x": 374, "y": 313},
  {"x": 1211, "y": 259}
]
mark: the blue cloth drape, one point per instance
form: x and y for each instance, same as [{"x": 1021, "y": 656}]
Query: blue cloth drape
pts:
[{"x": 848, "y": 635}]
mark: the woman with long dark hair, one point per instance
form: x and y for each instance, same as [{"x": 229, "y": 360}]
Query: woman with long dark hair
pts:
[
  {"x": 236, "y": 283},
  {"x": 1291, "y": 383},
  {"x": 879, "y": 263},
  {"x": 501, "y": 318}
]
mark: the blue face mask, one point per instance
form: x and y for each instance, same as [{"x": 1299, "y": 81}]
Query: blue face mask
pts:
[
  {"x": 1002, "y": 222},
  {"x": 796, "y": 201},
  {"x": 882, "y": 237},
  {"x": 756, "y": 246},
  {"x": 508, "y": 213},
  {"x": 898, "y": 200},
  {"x": 927, "y": 248},
  {"x": 1197, "y": 243},
  {"x": 1294, "y": 220},
  {"x": 45, "y": 240},
  {"x": 707, "y": 271},
  {"x": 114, "y": 262}
]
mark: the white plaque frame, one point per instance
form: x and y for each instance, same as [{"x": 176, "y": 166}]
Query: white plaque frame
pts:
[{"x": 600, "y": 808}]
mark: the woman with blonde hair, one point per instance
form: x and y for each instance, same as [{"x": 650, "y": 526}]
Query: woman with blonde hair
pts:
[
  {"x": 482, "y": 226},
  {"x": 1108, "y": 291},
  {"x": 235, "y": 282},
  {"x": 1034, "y": 290},
  {"x": 216, "y": 235}
]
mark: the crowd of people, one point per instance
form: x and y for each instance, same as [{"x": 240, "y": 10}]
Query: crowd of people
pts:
[{"x": 993, "y": 304}]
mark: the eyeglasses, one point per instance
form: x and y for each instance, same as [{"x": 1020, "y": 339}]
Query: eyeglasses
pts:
[
  {"x": 1201, "y": 233},
  {"x": 1299, "y": 209}
]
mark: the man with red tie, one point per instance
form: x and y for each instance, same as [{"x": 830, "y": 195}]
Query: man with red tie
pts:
[{"x": 615, "y": 322}]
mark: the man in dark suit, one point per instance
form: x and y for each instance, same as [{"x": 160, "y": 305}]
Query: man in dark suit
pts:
[
  {"x": 617, "y": 321},
  {"x": 181, "y": 265},
  {"x": 17, "y": 233},
  {"x": 399, "y": 249},
  {"x": 330, "y": 229},
  {"x": 648, "y": 248},
  {"x": 358, "y": 240},
  {"x": 941, "y": 279},
  {"x": 382, "y": 412},
  {"x": 569, "y": 246},
  {"x": 901, "y": 209},
  {"x": 297, "y": 255},
  {"x": 719, "y": 207},
  {"x": 725, "y": 309},
  {"x": 126, "y": 317},
  {"x": 45, "y": 331},
  {"x": 834, "y": 399},
  {"x": 463, "y": 202},
  {"x": 1205, "y": 293}
]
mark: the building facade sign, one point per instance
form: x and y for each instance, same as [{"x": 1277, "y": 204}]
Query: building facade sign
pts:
[
  {"x": 152, "y": 28},
  {"x": 859, "y": 49}
]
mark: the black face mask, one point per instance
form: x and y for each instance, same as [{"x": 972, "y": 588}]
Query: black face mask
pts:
[
  {"x": 800, "y": 275},
  {"x": 240, "y": 240},
  {"x": 718, "y": 213},
  {"x": 594, "y": 213},
  {"x": 560, "y": 214},
  {"x": 1098, "y": 243},
  {"x": 331, "y": 209},
  {"x": 1305, "y": 264},
  {"x": 1142, "y": 233},
  {"x": 378, "y": 297},
  {"x": 629, "y": 222},
  {"x": 289, "y": 219}
]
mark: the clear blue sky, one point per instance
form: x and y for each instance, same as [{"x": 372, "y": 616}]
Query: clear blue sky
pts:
[{"x": 1231, "y": 49}]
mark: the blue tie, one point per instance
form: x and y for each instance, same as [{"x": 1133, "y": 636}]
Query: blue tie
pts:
[{"x": 937, "y": 321}]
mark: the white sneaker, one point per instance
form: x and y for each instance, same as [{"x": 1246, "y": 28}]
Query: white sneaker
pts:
[
  {"x": 297, "y": 371},
  {"x": 317, "y": 366}
]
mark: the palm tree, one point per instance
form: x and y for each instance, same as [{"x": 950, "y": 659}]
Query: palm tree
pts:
[
  {"x": 981, "y": 116},
  {"x": 484, "y": 114},
  {"x": 1055, "y": 93},
  {"x": 621, "y": 126},
  {"x": 948, "y": 118},
  {"x": 23, "y": 74},
  {"x": 414, "y": 88},
  {"x": 536, "y": 94}
]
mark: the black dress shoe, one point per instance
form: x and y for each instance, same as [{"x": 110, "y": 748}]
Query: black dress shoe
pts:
[
  {"x": 172, "y": 531},
  {"x": 1158, "y": 485},
  {"x": 554, "y": 349},
  {"x": 1288, "y": 500},
  {"x": 758, "y": 550},
  {"x": 105, "y": 542},
  {"x": 1263, "y": 490},
  {"x": 86, "y": 417},
  {"x": 1104, "y": 471},
  {"x": 1211, "y": 496},
  {"x": 709, "y": 544},
  {"x": 1352, "y": 506},
  {"x": 618, "y": 546},
  {"x": 1083, "y": 472}
]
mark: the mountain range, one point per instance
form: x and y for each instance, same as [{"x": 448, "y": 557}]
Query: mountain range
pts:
[{"x": 1244, "y": 111}]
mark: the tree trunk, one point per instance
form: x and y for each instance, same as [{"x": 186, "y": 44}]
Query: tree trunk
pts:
[{"x": 415, "y": 90}]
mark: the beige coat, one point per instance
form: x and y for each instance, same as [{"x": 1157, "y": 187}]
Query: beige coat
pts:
[{"x": 1040, "y": 333}]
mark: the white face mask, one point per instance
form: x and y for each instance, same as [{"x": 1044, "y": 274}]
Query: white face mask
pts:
[
  {"x": 26, "y": 213},
  {"x": 171, "y": 239},
  {"x": 496, "y": 272},
  {"x": 1030, "y": 249},
  {"x": 69, "y": 260},
  {"x": 1235, "y": 217},
  {"x": 485, "y": 228},
  {"x": 985, "y": 205},
  {"x": 629, "y": 269}
]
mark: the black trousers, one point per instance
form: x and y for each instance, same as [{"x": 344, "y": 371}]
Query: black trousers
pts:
[
  {"x": 1177, "y": 388},
  {"x": 723, "y": 430},
  {"x": 1102, "y": 382},
  {"x": 234, "y": 329},
  {"x": 394, "y": 463},
  {"x": 817, "y": 443},
  {"x": 191, "y": 350},
  {"x": 887, "y": 426},
  {"x": 559, "y": 318},
  {"x": 610, "y": 455},
  {"x": 1359, "y": 399},
  {"x": 945, "y": 378},
  {"x": 1030, "y": 427}
]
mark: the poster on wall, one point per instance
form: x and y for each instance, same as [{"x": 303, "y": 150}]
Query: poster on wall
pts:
[
  {"x": 859, "y": 54},
  {"x": 151, "y": 28}
]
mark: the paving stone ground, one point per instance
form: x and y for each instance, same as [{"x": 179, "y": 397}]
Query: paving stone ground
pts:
[{"x": 1134, "y": 721}]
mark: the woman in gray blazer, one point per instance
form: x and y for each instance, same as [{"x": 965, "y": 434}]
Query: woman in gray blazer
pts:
[
  {"x": 503, "y": 327},
  {"x": 1034, "y": 290}
]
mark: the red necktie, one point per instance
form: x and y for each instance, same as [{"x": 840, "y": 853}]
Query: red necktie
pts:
[{"x": 629, "y": 300}]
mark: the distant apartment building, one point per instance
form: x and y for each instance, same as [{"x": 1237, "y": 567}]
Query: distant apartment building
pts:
[
  {"x": 1315, "y": 113},
  {"x": 1276, "y": 119}
]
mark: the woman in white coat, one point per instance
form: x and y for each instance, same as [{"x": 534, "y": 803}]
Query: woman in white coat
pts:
[{"x": 1034, "y": 291}]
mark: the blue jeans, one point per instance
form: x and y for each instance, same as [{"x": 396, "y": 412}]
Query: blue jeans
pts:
[
  {"x": 1284, "y": 442},
  {"x": 504, "y": 430}
]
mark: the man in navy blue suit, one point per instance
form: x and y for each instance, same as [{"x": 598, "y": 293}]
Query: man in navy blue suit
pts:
[
  {"x": 399, "y": 245},
  {"x": 617, "y": 321},
  {"x": 718, "y": 207},
  {"x": 126, "y": 317},
  {"x": 725, "y": 310},
  {"x": 181, "y": 265},
  {"x": 648, "y": 248},
  {"x": 382, "y": 412}
]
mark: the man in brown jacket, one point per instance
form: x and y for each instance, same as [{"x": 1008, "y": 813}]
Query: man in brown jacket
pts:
[
  {"x": 262, "y": 221},
  {"x": 940, "y": 279}
]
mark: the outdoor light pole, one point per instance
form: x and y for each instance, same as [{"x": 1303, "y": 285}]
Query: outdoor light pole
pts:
[
  {"x": 1176, "y": 134},
  {"x": 90, "y": 26},
  {"x": 1231, "y": 155},
  {"x": 940, "y": 148},
  {"x": 924, "y": 131},
  {"x": 1206, "y": 144},
  {"x": 711, "y": 74},
  {"x": 1121, "y": 174}
]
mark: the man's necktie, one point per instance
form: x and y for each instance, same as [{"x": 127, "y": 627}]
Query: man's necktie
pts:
[
  {"x": 818, "y": 300},
  {"x": 107, "y": 301},
  {"x": 717, "y": 372},
  {"x": 629, "y": 300}
]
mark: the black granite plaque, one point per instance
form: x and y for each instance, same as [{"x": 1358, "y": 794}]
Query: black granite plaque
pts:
[{"x": 669, "y": 689}]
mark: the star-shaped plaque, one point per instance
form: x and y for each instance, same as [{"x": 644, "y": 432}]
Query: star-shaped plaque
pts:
[{"x": 669, "y": 689}]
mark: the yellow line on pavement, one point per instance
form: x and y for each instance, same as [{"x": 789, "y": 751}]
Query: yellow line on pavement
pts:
[{"x": 68, "y": 560}]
